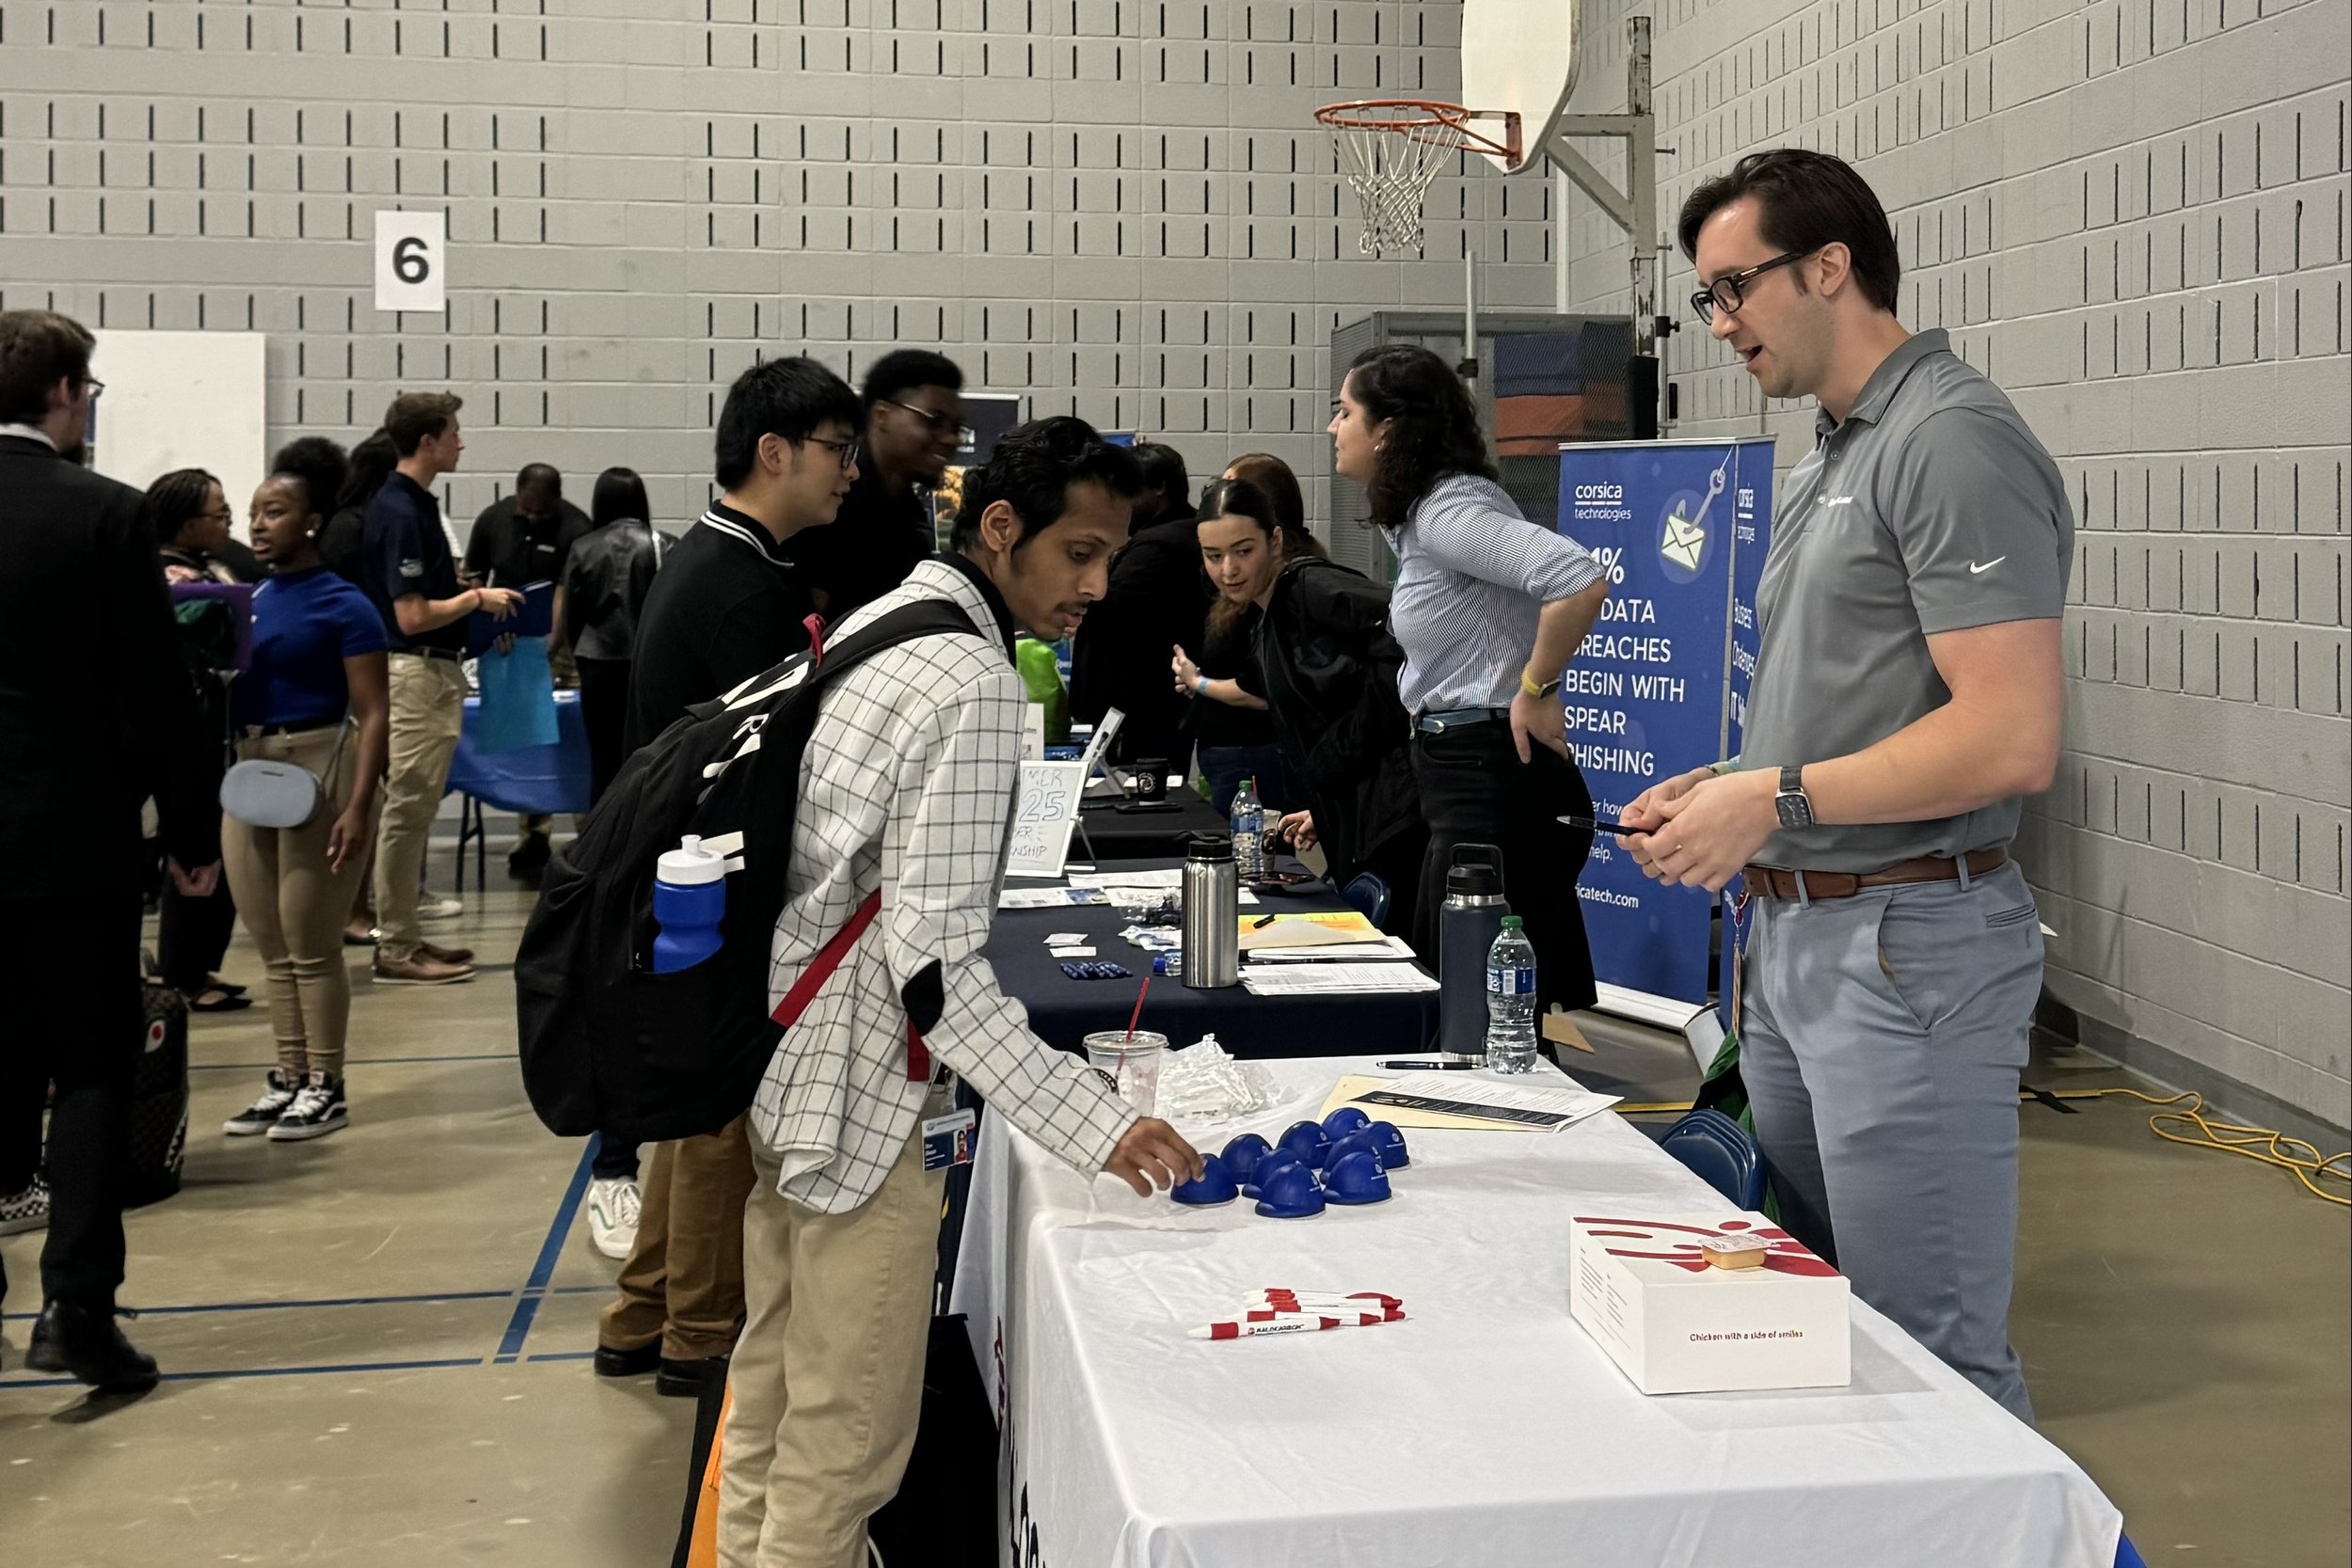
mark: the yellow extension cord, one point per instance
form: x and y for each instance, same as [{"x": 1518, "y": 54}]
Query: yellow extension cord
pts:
[{"x": 2255, "y": 1142}]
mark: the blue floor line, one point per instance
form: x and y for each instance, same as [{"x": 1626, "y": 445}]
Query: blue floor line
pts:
[
  {"x": 339, "y": 1300},
  {"x": 350, "y": 1367},
  {"x": 550, "y": 1251},
  {"x": 518, "y": 1329},
  {"x": 562, "y": 1356}
]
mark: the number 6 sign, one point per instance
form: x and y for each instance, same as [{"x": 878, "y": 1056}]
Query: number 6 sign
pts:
[{"x": 410, "y": 250}]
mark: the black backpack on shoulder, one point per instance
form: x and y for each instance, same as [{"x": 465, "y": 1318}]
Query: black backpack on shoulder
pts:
[{"x": 607, "y": 1044}]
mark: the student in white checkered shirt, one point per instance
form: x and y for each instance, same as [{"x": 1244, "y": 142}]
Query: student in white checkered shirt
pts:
[{"x": 907, "y": 787}]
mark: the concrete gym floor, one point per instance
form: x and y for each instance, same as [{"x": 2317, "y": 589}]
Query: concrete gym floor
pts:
[{"x": 374, "y": 1345}]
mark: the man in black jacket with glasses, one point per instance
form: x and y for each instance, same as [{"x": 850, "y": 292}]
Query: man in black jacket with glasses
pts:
[{"x": 913, "y": 428}]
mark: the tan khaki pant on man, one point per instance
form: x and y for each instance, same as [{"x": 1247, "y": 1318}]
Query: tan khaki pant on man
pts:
[
  {"x": 428, "y": 714},
  {"x": 828, "y": 1377},
  {"x": 683, "y": 1282}
]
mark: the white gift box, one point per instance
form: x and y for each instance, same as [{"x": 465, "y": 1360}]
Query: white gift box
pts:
[{"x": 1678, "y": 1323}]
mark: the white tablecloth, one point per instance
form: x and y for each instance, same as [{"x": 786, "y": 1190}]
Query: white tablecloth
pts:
[{"x": 1488, "y": 1430}]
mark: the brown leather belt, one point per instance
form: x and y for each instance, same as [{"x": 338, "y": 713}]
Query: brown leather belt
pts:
[{"x": 1772, "y": 881}]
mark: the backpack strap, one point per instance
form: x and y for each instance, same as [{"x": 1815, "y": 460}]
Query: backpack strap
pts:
[
  {"x": 820, "y": 969},
  {"x": 780, "y": 762}
]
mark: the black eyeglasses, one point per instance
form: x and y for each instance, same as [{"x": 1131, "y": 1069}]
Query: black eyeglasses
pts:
[
  {"x": 96, "y": 387},
  {"x": 1729, "y": 291},
  {"x": 844, "y": 451},
  {"x": 937, "y": 423}
]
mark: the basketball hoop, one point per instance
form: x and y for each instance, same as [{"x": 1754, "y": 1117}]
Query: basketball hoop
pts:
[{"x": 1391, "y": 149}]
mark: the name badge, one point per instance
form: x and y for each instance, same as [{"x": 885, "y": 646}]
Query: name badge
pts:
[{"x": 947, "y": 1140}]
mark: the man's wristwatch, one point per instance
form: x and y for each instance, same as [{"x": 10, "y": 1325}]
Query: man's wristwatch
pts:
[
  {"x": 1794, "y": 805},
  {"x": 1528, "y": 685}
]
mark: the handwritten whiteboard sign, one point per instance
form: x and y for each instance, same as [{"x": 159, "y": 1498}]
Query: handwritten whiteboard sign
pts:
[{"x": 1045, "y": 808}]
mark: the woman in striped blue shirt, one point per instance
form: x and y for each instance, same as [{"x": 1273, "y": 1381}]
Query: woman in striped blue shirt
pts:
[{"x": 1490, "y": 608}]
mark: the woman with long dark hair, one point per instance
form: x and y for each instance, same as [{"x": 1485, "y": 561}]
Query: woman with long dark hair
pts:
[
  {"x": 605, "y": 581},
  {"x": 371, "y": 464},
  {"x": 1323, "y": 662},
  {"x": 1488, "y": 607},
  {"x": 188, "y": 518},
  {"x": 316, "y": 697},
  {"x": 1244, "y": 546}
]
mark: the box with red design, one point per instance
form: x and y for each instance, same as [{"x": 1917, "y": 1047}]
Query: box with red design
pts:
[{"x": 1689, "y": 1303}]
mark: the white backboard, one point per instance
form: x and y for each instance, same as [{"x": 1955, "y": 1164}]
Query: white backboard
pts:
[
  {"x": 1520, "y": 56},
  {"x": 182, "y": 400}
]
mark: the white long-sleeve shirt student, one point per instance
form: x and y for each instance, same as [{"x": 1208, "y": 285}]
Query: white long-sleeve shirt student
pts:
[{"x": 907, "y": 786}]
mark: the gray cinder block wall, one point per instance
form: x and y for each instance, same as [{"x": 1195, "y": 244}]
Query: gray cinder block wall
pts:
[
  {"x": 2132, "y": 214},
  {"x": 1121, "y": 207}
]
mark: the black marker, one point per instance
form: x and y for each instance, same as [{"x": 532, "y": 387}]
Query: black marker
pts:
[
  {"x": 1427, "y": 1066},
  {"x": 1261, "y": 924},
  {"x": 1601, "y": 825}
]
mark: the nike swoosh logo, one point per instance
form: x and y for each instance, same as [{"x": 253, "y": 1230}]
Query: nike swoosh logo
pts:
[{"x": 1974, "y": 568}]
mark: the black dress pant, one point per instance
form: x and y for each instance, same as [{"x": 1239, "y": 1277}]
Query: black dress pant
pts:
[
  {"x": 604, "y": 713},
  {"x": 1475, "y": 790},
  {"x": 70, "y": 968},
  {"x": 192, "y": 936}
]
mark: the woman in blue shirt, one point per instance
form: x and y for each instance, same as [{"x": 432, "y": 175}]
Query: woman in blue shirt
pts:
[
  {"x": 1490, "y": 608},
  {"x": 316, "y": 696}
]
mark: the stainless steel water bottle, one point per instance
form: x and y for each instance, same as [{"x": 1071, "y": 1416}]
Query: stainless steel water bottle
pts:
[{"x": 1212, "y": 913}]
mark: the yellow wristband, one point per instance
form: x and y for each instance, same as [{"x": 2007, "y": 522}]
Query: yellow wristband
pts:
[{"x": 1527, "y": 683}]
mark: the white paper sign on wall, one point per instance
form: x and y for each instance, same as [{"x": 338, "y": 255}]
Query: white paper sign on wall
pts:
[
  {"x": 1045, "y": 808},
  {"x": 411, "y": 254}
]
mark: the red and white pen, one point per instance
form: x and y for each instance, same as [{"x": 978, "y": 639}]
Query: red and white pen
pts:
[
  {"x": 1250, "y": 1326},
  {"x": 1360, "y": 1301}
]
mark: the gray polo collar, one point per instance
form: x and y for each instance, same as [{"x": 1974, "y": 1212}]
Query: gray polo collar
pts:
[{"x": 1879, "y": 390}]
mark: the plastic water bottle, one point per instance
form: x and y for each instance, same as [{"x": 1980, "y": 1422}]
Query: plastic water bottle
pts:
[
  {"x": 1249, "y": 824},
  {"x": 1511, "y": 999},
  {"x": 690, "y": 905}
]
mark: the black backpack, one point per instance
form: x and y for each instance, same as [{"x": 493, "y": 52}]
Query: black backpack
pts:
[{"x": 607, "y": 1044}]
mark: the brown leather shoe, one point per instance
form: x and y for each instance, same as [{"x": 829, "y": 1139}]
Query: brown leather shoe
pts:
[
  {"x": 418, "y": 971},
  {"x": 461, "y": 957}
]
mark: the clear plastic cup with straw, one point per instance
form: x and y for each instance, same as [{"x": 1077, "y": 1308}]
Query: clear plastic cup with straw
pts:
[{"x": 1132, "y": 1061}]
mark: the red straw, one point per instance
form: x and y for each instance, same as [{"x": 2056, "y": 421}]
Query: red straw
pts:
[{"x": 1137, "y": 1015}]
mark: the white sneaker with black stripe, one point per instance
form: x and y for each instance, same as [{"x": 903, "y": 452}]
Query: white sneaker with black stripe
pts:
[
  {"x": 26, "y": 1211},
  {"x": 264, "y": 1113},
  {"x": 319, "y": 1108}
]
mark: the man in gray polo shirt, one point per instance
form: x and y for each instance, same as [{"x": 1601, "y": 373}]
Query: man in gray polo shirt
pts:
[{"x": 1907, "y": 695}]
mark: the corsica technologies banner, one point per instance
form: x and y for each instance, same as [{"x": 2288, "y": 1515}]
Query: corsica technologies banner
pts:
[{"x": 1660, "y": 686}]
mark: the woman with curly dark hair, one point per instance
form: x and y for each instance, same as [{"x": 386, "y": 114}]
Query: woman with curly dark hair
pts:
[
  {"x": 314, "y": 697},
  {"x": 1488, "y": 607}
]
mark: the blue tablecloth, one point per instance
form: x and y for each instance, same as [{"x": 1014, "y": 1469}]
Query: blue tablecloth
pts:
[
  {"x": 1063, "y": 1011},
  {"x": 535, "y": 779}
]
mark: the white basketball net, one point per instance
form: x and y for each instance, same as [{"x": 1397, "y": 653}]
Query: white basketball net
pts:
[{"x": 1390, "y": 171}]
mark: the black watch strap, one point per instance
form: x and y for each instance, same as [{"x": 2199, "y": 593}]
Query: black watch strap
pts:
[{"x": 1794, "y": 806}]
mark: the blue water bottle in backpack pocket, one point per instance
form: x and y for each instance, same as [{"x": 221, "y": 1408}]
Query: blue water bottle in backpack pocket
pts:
[{"x": 690, "y": 905}]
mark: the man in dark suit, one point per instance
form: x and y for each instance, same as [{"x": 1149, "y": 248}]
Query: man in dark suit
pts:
[{"x": 97, "y": 715}]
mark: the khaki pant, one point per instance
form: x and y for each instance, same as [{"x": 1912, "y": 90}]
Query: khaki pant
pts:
[
  {"x": 683, "y": 1283},
  {"x": 827, "y": 1381},
  {"x": 294, "y": 906},
  {"x": 428, "y": 713}
]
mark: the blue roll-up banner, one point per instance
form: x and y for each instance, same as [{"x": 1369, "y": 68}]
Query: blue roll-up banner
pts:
[{"x": 1660, "y": 686}]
